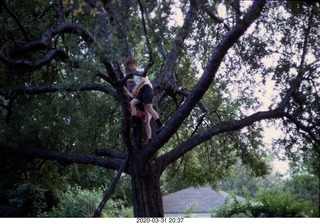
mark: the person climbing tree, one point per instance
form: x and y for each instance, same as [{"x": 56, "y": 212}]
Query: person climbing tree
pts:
[
  {"x": 141, "y": 112},
  {"x": 142, "y": 93}
]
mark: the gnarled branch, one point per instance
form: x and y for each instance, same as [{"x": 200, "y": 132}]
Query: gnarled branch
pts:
[
  {"x": 47, "y": 58},
  {"x": 62, "y": 157}
]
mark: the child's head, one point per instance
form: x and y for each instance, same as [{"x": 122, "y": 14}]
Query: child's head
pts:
[{"x": 131, "y": 64}]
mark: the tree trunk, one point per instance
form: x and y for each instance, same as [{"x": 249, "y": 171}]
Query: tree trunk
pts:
[{"x": 146, "y": 193}]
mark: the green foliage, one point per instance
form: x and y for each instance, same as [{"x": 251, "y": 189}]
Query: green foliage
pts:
[
  {"x": 80, "y": 122},
  {"x": 77, "y": 202},
  {"x": 127, "y": 213},
  {"x": 267, "y": 203},
  {"x": 307, "y": 187},
  {"x": 243, "y": 180},
  {"x": 190, "y": 209},
  {"x": 25, "y": 201}
]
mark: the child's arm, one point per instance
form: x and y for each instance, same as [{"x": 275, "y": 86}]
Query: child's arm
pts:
[{"x": 127, "y": 92}]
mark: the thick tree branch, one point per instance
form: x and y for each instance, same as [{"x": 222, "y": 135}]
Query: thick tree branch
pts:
[
  {"x": 124, "y": 104},
  {"x": 206, "y": 79},
  {"x": 46, "y": 59},
  {"x": 48, "y": 35},
  {"x": 110, "y": 152},
  {"x": 227, "y": 126},
  {"x": 61, "y": 14},
  {"x": 62, "y": 157},
  {"x": 166, "y": 77},
  {"x": 55, "y": 88}
]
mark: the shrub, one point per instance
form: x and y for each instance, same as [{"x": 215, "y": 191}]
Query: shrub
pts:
[
  {"x": 266, "y": 203},
  {"x": 77, "y": 202},
  {"x": 25, "y": 201}
]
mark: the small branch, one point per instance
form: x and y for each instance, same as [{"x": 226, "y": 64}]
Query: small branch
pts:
[
  {"x": 215, "y": 18},
  {"x": 297, "y": 81},
  {"x": 61, "y": 14},
  {"x": 306, "y": 129},
  {"x": 236, "y": 6},
  {"x": 105, "y": 77},
  {"x": 199, "y": 122},
  {"x": 151, "y": 62},
  {"x": 15, "y": 18},
  {"x": 48, "y": 35}
]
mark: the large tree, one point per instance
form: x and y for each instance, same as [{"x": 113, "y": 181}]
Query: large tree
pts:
[{"x": 62, "y": 77}]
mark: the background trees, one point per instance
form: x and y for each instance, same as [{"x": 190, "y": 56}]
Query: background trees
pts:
[{"x": 62, "y": 101}]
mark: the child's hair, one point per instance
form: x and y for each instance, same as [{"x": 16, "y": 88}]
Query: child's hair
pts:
[{"x": 130, "y": 61}]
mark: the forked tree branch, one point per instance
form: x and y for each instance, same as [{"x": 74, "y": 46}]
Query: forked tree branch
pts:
[
  {"x": 206, "y": 79},
  {"x": 234, "y": 125}
]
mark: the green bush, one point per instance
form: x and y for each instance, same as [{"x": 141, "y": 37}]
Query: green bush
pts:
[
  {"x": 25, "y": 201},
  {"x": 127, "y": 213},
  {"x": 77, "y": 202},
  {"x": 266, "y": 203}
]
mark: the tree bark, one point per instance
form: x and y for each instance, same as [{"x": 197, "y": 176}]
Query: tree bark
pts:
[{"x": 146, "y": 192}]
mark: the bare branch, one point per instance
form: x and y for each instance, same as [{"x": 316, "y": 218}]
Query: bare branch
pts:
[
  {"x": 216, "y": 18},
  {"x": 236, "y": 5},
  {"x": 55, "y": 88}
]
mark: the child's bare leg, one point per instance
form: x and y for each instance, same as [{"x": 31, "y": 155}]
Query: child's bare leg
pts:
[
  {"x": 147, "y": 119},
  {"x": 149, "y": 108},
  {"x": 133, "y": 103}
]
